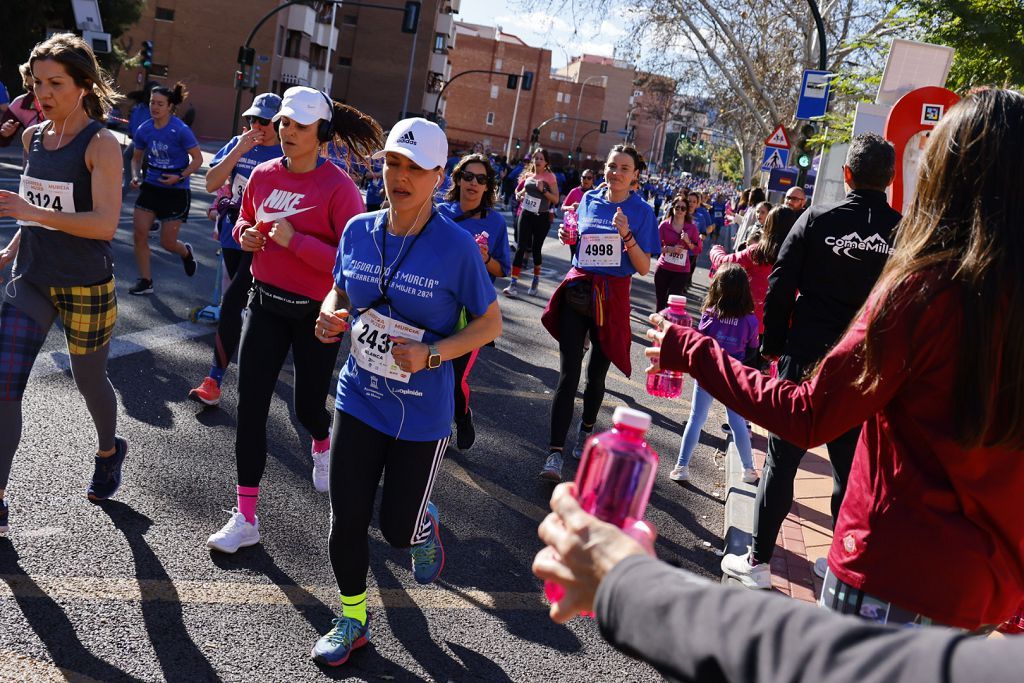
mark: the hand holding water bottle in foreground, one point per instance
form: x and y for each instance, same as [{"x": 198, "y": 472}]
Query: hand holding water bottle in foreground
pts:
[{"x": 581, "y": 550}]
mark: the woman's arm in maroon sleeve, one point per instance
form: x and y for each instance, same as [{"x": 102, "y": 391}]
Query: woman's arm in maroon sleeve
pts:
[{"x": 806, "y": 414}]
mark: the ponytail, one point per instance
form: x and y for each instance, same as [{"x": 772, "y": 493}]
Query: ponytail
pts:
[
  {"x": 175, "y": 96},
  {"x": 359, "y": 132}
]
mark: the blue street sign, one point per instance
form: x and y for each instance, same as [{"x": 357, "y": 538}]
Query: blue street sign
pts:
[
  {"x": 814, "y": 90},
  {"x": 774, "y": 158}
]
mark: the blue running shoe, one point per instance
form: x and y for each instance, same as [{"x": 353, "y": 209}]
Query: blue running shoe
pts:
[
  {"x": 428, "y": 557},
  {"x": 3, "y": 517},
  {"x": 335, "y": 648},
  {"x": 106, "y": 474}
]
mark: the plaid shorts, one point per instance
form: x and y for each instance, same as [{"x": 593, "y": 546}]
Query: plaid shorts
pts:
[{"x": 88, "y": 315}]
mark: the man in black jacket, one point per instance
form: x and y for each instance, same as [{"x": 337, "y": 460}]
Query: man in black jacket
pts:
[
  {"x": 690, "y": 629},
  {"x": 826, "y": 268}
]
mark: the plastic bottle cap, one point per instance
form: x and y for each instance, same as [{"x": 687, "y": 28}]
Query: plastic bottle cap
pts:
[
  {"x": 484, "y": 234},
  {"x": 631, "y": 418},
  {"x": 677, "y": 300}
]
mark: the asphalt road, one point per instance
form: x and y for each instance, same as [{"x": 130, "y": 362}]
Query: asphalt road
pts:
[{"x": 127, "y": 590}]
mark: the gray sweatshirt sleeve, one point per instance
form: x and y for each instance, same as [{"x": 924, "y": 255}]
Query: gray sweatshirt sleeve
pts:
[{"x": 690, "y": 629}]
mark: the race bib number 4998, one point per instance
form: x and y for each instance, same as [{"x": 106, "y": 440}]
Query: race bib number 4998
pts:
[
  {"x": 47, "y": 194},
  {"x": 600, "y": 250}
]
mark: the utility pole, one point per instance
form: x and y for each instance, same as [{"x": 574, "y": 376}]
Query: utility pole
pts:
[{"x": 515, "y": 112}]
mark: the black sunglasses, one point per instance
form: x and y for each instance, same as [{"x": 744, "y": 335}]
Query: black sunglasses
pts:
[
  {"x": 467, "y": 176},
  {"x": 258, "y": 119}
]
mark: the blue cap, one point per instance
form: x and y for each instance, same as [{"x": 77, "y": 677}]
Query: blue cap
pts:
[{"x": 265, "y": 106}]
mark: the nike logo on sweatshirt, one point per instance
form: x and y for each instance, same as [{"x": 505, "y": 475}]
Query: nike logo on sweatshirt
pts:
[{"x": 280, "y": 204}]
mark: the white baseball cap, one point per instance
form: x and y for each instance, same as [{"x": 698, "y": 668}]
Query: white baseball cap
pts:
[
  {"x": 417, "y": 139},
  {"x": 305, "y": 105}
]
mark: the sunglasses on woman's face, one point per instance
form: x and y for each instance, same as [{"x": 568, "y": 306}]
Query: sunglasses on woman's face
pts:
[
  {"x": 253, "y": 120},
  {"x": 480, "y": 178}
]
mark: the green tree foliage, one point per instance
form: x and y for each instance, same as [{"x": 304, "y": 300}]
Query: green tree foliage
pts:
[
  {"x": 26, "y": 22},
  {"x": 988, "y": 36}
]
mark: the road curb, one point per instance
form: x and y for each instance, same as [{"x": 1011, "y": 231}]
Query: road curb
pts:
[{"x": 739, "y": 508}]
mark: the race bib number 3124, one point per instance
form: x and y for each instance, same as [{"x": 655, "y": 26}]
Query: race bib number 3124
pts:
[{"x": 47, "y": 194}]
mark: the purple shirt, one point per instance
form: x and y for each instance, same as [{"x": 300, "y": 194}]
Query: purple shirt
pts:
[{"x": 734, "y": 335}]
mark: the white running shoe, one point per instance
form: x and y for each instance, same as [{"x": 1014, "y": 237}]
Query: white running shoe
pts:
[
  {"x": 322, "y": 470},
  {"x": 680, "y": 473},
  {"x": 739, "y": 567},
  {"x": 750, "y": 475},
  {"x": 237, "y": 533},
  {"x": 512, "y": 291}
]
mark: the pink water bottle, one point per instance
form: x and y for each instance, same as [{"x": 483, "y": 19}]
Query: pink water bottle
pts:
[
  {"x": 615, "y": 476},
  {"x": 667, "y": 383},
  {"x": 571, "y": 228},
  {"x": 482, "y": 238}
]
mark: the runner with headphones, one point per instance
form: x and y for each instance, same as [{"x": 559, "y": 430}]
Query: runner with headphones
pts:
[
  {"x": 402, "y": 279},
  {"x": 293, "y": 212}
]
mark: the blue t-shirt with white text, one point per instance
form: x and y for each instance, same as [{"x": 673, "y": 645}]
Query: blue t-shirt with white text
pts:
[
  {"x": 166, "y": 150},
  {"x": 239, "y": 178},
  {"x": 437, "y": 275},
  {"x": 703, "y": 219},
  {"x": 595, "y": 214},
  {"x": 493, "y": 224}
]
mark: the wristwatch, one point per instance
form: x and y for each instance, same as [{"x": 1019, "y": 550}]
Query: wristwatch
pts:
[{"x": 434, "y": 359}]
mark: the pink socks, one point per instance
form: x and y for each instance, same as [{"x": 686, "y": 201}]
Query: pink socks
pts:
[
  {"x": 322, "y": 445},
  {"x": 247, "y": 496}
]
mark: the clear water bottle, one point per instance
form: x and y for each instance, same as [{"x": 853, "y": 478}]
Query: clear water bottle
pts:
[
  {"x": 615, "y": 476},
  {"x": 667, "y": 383},
  {"x": 482, "y": 238},
  {"x": 571, "y": 228}
]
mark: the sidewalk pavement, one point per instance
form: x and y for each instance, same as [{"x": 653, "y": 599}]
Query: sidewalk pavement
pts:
[{"x": 807, "y": 531}]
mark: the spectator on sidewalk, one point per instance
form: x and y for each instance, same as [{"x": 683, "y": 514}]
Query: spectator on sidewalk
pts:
[
  {"x": 748, "y": 220},
  {"x": 933, "y": 368},
  {"x": 24, "y": 111},
  {"x": 677, "y": 622},
  {"x": 796, "y": 199}
]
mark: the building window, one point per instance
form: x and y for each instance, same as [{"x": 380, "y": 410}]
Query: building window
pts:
[
  {"x": 497, "y": 65},
  {"x": 494, "y": 92},
  {"x": 344, "y": 61},
  {"x": 554, "y": 136},
  {"x": 561, "y": 137},
  {"x": 350, "y": 20},
  {"x": 490, "y": 118},
  {"x": 318, "y": 56},
  {"x": 638, "y": 93},
  {"x": 164, "y": 14},
  {"x": 293, "y": 44},
  {"x": 567, "y": 98},
  {"x": 324, "y": 13},
  {"x": 440, "y": 40}
]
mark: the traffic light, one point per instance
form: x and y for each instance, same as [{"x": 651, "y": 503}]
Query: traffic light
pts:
[
  {"x": 147, "y": 54},
  {"x": 513, "y": 81},
  {"x": 604, "y": 126},
  {"x": 804, "y": 152},
  {"x": 518, "y": 144},
  {"x": 239, "y": 80},
  {"x": 254, "y": 77},
  {"x": 527, "y": 80},
  {"x": 411, "y": 16},
  {"x": 535, "y": 137},
  {"x": 246, "y": 55}
]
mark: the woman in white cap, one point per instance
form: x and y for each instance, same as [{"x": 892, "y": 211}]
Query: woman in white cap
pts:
[
  {"x": 293, "y": 211},
  {"x": 402, "y": 278},
  {"x": 230, "y": 168}
]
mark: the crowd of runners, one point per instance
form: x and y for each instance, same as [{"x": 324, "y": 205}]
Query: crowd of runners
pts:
[{"x": 904, "y": 352}]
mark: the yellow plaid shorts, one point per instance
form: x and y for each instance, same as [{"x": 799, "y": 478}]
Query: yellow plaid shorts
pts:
[{"x": 88, "y": 315}]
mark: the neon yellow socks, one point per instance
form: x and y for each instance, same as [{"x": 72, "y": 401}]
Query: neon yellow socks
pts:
[{"x": 354, "y": 607}]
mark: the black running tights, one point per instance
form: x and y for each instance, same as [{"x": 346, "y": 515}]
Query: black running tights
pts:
[{"x": 572, "y": 329}]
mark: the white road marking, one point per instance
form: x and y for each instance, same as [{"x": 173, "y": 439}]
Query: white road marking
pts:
[{"x": 126, "y": 345}]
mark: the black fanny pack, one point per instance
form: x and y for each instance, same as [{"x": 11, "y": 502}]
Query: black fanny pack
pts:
[
  {"x": 280, "y": 302},
  {"x": 579, "y": 296}
]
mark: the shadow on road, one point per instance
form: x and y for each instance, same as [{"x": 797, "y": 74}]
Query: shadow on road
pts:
[
  {"x": 179, "y": 657},
  {"x": 50, "y": 623}
]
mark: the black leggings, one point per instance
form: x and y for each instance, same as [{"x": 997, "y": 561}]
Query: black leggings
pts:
[
  {"x": 775, "y": 491},
  {"x": 266, "y": 339},
  {"x": 229, "y": 328},
  {"x": 359, "y": 456},
  {"x": 533, "y": 230},
  {"x": 572, "y": 330},
  {"x": 668, "y": 282}
]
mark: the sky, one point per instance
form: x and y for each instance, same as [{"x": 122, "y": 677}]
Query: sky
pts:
[{"x": 541, "y": 29}]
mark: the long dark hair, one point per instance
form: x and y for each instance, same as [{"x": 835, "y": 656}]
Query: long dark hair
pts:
[
  {"x": 777, "y": 225},
  {"x": 634, "y": 153},
  {"x": 964, "y": 224},
  {"x": 359, "y": 132},
  {"x": 78, "y": 59},
  {"x": 729, "y": 293},
  {"x": 454, "y": 193},
  {"x": 531, "y": 166}
]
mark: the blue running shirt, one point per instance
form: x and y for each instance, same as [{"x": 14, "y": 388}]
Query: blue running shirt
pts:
[
  {"x": 166, "y": 149},
  {"x": 239, "y": 178},
  {"x": 599, "y": 240},
  {"x": 495, "y": 227}
]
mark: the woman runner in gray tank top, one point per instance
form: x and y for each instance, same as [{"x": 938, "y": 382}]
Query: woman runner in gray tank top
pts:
[{"x": 67, "y": 207}]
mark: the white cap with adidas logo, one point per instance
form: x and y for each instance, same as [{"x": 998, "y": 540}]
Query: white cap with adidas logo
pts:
[{"x": 420, "y": 140}]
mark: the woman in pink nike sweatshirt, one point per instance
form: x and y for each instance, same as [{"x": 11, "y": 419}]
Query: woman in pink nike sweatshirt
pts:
[{"x": 293, "y": 211}]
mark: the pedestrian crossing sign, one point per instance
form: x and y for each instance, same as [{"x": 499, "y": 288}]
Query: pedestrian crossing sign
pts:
[{"x": 774, "y": 158}]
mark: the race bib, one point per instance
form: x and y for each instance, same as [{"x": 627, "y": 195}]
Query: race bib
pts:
[
  {"x": 47, "y": 194},
  {"x": 531, "y": 204},
  {"x": 677, "y": 259},
  {"x": 600, "y": 250},
  {"x": 371, "y": 344},
  {"x": 238, "y": 183}
]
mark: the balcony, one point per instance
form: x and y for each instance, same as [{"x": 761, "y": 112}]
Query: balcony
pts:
[
  {"x": 325, "y": 34},
  {"x": 438, "y": 63},
  {"x": 301, "y": 18},
  {"x": 445, "y": 24},
  {"x": 294, "y": 71},
  {"x": 428, "y": 103},
  {"x": 454, "y": 6},
  {"x": 320, "y": 79}
]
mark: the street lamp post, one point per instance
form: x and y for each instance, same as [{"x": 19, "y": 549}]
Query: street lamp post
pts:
[
  {"x": 820, "y": 23},
  {"x": 579, "y": 101}
]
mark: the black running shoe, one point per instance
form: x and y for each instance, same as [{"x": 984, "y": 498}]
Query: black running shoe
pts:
[
  {"x": 189, "y": 262},
  {"x": 141, "y": 287},
  {"x": 106, "y": 475},
  {"x": 4, "y": 517},
  {"x": 465, "y": 433}
]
